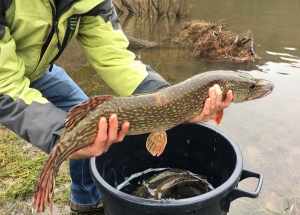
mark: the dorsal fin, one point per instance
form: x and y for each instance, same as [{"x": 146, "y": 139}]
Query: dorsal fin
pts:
[{"x": 78, "y": 112}]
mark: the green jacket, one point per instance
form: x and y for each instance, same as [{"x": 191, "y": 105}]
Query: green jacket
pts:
[{"x": 33, "y": 34}]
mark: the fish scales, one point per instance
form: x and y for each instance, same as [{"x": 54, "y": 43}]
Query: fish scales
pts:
[
  {"x": 155, "y": 112},
  {"x": 168, "y": 107},
  {"x": 157, "y": 183}
]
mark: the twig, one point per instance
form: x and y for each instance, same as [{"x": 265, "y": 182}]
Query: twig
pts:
[
  {"x": 153, "y": 4},
  {"x": 241, "y": 59},
  {"x": 243, "y": 41},
  {"x": 145, "y": 9},
  {"x": 149, "y": 6},
  {"x": 169, "y": 7},
  {"x": 140, "y": 8},
  {"x": 176, "y": 9},
  {"x": 118, "y": 6},
  {"x": 127, "y": 20},
  {"x": 252, "y": 46},
  {"x": 136, "y": 10},
  {"x": 215, "y": 34},
  {"x": 128, "y": 6},
  {"x": 291, "y": 209},
  {"x": 233, "y": 45},
  {"x": 162, "y": 6}
]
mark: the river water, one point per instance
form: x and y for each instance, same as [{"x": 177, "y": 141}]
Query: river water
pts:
[{"x": 266, "y": 130}]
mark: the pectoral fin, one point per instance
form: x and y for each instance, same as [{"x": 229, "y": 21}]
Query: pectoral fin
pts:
[
  {"x": 218, "y": 117},
  {"x": 156, "y": 143}
]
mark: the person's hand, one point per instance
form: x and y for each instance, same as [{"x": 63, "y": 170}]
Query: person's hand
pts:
[
  {"x": 105, "y": 138},
  {"x": 213, "y": 104}
]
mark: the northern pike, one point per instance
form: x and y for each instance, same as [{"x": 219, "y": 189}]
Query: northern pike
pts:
[
  {"x": 172, "y": 183},
  {"x": 152, "y": 113},
  {"x": 151, "y": 183},
  {"x": 179, "y": 188}
]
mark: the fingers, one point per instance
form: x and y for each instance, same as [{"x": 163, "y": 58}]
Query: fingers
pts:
[
  {"x": 218, "y": 104},
  {"x": 204, "y": 116},
  {"x": 113, "y": 129},
  {"x": 206, "y": 112},
  {"x": 213, "y": 104},
  {"x": 215, "y": 94},
  {"x": 218, "y": 96},
  {"x": 122, "y": 133},
  {"x": 106, "y": 136},
  {"x": 113, "y": 133},
  {"x": 99, "y": 146},
  {"x": 102, "y": 131},
  {"x": 212, "y": 95},
  {"x": 228, "y": 100}
]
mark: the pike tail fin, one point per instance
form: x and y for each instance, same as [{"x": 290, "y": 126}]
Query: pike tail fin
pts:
[{"x": 45, "y": 188}]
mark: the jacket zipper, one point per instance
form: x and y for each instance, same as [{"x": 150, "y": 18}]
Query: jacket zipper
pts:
[{"x": 54, "y": 30}]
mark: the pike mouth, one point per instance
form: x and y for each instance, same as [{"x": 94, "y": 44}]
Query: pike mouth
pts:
[{"x": 264, "y": 91}]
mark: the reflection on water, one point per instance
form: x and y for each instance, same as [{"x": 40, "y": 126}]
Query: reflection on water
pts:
[{"x": 266, "y": 130}]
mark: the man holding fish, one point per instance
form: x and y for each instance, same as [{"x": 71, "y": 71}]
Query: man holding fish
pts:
[{"x": 35, "y": 94}]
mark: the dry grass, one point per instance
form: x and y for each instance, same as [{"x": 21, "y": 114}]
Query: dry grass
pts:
[
  {"x": 20, "y": 166},
  {"x": 213, "y": 41}
]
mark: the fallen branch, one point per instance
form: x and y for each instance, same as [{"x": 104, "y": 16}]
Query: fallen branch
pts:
[
  {"x": 233, "y": 45},
  {"x": 252, "y": 46},
  {"x": 139, "y": 44}
]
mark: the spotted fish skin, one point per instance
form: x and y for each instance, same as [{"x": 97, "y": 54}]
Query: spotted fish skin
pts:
[
  {"x": 173, "y": 105},
  {"x": 147, "y": 113},
  {"x": 168, "y": 179}
]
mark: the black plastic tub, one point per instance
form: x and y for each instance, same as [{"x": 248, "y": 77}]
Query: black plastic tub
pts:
[{"x": 198, "y": 148}]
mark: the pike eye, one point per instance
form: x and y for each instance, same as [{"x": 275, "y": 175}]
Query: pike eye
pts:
[{"x": 252, "y": 86}]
